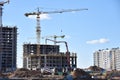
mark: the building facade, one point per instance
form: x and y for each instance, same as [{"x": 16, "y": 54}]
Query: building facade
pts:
[
  {"x": 108, "y": 59},
  {"x": 50, "y": 57},
  {"x": 117, "y": 59},
  {"x": 8, "y": 48}
]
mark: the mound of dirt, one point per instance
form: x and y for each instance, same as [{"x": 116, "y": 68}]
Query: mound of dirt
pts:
[{"x": 26, "y": 73}]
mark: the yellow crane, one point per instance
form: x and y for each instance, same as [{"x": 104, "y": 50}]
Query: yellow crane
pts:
[{"x": 38, "y": 28}]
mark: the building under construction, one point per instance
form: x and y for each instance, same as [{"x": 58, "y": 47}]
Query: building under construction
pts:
[
  {"x": 37, "y": 56},
  {"x": 50, "y": 57},
  {"x": 8, "y": 48},
  {"x": 8, "y": 44}
]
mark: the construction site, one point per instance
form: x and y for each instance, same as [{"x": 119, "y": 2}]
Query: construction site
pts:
[
  {"x": 46, "y": 57},
  {"x": 39, "y": 60}
]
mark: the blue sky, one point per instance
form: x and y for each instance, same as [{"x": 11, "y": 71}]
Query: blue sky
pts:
[{"x": 85, "y": 31}]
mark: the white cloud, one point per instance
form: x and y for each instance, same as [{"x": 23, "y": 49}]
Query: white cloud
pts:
[
  {"x": 42, "y": 16},
  {"x": 99, "y": 41}
]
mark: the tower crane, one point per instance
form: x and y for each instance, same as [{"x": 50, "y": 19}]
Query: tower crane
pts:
[
  {"x": 38, "y": 28},
  {"x": 54, "y": 36},
  {"x": 2, "y": 4},
  {"x": 38, "y": 13}
]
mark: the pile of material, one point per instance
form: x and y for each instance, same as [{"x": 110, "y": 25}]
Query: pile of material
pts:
[
  {"x": 78, "y": 74},
  {"x": 20, "y": 73},
  {"x": 3, "y": 75},
  {"x": 95, "y": 68}
]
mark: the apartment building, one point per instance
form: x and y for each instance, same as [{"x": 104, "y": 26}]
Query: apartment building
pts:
[
  {"x": 8, "y": 48},
  {"x": 108, "y": 59},
  {"x": 117, "y": 58},
  {"x": 102, "y": 59}
]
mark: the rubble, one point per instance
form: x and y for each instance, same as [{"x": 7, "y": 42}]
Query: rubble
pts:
[
  {"x": 25, "y": 73},
  {"x": 95, "y": 68},
  {"x": 78, "y": 74}
]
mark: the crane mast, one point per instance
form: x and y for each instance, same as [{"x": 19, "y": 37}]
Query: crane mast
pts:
[
  {"x": 38, "y": 28},
  {"x": 2, "y": 4},
  {"x": 38, "y": 31}
]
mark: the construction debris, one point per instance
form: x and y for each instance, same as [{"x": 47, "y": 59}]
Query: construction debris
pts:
[
  {"x": 26, "y": 73},
  {"x": 95, "y": 68},
  {"x": 78, "y": 74},
  {"x": 32, "y": 74}
]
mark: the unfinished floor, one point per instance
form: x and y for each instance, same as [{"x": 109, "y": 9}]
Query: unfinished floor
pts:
[{"x": 50, "y": 57}]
